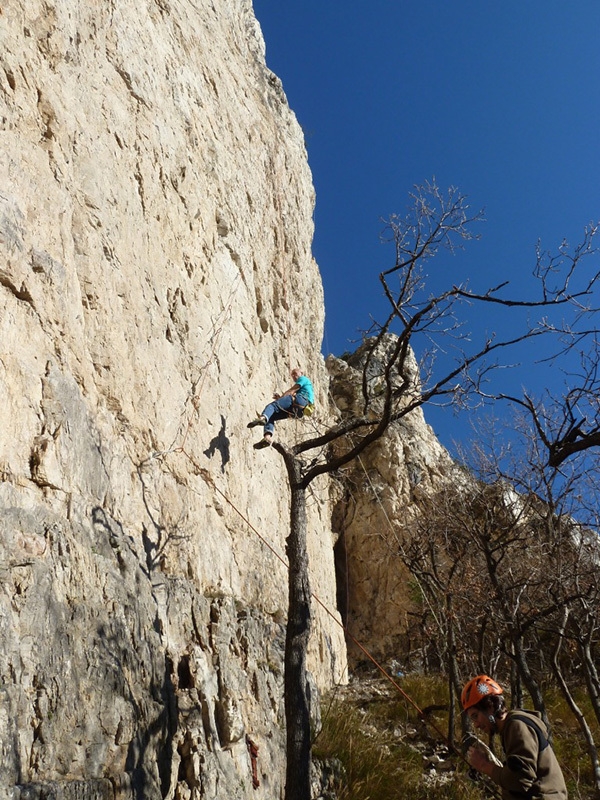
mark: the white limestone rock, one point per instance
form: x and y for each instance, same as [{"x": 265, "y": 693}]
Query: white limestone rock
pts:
[{"x": 156, "y": 286}]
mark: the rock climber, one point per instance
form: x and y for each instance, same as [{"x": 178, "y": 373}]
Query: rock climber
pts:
[
  {"x": 530, "y": 769},
  {"x": 292, "y": 403}
]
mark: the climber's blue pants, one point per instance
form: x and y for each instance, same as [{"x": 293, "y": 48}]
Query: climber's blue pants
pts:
[{"x": 286, "y": 407}]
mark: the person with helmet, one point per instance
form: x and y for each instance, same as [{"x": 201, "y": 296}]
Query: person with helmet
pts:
[{"x": 530, "y": 769}]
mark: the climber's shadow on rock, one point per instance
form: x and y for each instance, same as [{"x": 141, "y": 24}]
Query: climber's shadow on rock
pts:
[{"x": 219, "y": 443}]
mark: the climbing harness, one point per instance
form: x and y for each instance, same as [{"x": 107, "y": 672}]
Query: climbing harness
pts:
[{"x": 307, "y": 411}]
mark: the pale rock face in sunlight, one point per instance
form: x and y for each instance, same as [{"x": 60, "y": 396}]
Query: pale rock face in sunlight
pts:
[{"x": 156, "y": 286}]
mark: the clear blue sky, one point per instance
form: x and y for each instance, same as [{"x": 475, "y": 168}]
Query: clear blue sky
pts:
[{"x": 501, "y": 99}]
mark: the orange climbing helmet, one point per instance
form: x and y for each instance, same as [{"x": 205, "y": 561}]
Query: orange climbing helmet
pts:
[{"x": 478, "y": 688}]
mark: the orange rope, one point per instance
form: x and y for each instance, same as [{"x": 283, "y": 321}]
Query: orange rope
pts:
[{"x": 205, "y": 475}]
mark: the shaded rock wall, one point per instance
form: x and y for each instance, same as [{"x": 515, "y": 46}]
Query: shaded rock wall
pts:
[{"x": 155, "y": 235}]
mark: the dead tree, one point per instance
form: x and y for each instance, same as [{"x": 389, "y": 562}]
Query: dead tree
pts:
[
  {"x": 545, "y": 576},
  {"x": 568, "y": 423}
]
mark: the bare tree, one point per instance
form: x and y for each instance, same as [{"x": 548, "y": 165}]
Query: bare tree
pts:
[
  {"x": 391, "y": 388},
  {"x": 509, "y": 579},
  {"x": 571, "y": 701},
  {"x": 550, "y": 585},
  {"x": 569, "y": 423}
]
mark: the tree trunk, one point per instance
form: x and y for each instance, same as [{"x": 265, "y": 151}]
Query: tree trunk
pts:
[
  {"x": 578, "y": 714},
  {"x": 526, "y": 676},
  {"x": 452, "y": 669},
  {"x": 297, "y": 701},
  {"x": 589, "y": 667}
]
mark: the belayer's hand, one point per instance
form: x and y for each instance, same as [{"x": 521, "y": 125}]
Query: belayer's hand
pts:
[
  {"x": 478, "y": 759},
  {"x": 276, "y": 395}
]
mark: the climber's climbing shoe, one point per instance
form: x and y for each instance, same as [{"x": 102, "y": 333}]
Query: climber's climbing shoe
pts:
[{"x": 260, "y": 420}]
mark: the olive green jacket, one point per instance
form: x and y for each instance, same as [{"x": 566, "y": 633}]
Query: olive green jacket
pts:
[{"x": 531, "y": 769}]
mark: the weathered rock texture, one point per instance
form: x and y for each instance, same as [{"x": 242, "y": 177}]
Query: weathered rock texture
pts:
[
  {"x": 155, "y": 236},
  {"x": 383, "y": 493}
]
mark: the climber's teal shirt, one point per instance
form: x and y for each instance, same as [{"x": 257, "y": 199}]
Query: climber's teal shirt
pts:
[{"x": 306, "y": 388}]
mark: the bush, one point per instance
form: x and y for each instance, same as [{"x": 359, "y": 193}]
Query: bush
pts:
[
  {"x": 383, "y": 749},
  {"x": 383, "y": 746}
]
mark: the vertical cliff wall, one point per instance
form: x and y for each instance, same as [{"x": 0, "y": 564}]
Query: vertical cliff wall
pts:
[{"x": 156, "y": 285}]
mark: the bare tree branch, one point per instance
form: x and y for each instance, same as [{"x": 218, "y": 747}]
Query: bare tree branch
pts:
[{"x": 392, "y": 387}]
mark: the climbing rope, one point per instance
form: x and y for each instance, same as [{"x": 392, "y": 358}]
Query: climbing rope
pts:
[
  {"x": 207, "y": 477},
  {"x": 214, "y": 339}
]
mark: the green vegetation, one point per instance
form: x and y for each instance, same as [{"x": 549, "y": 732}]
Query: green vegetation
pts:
[{"x": 569, "y": 744}]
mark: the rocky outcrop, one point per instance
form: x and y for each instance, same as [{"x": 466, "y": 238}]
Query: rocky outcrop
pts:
[
  {"x": 381, "y": 495},
  {"x": 155, "y": 236}
]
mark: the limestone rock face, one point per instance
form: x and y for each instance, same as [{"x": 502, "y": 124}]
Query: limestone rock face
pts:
[
  {"x": 382, "y": 493},
  {"x": 156, "y": 286}
]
